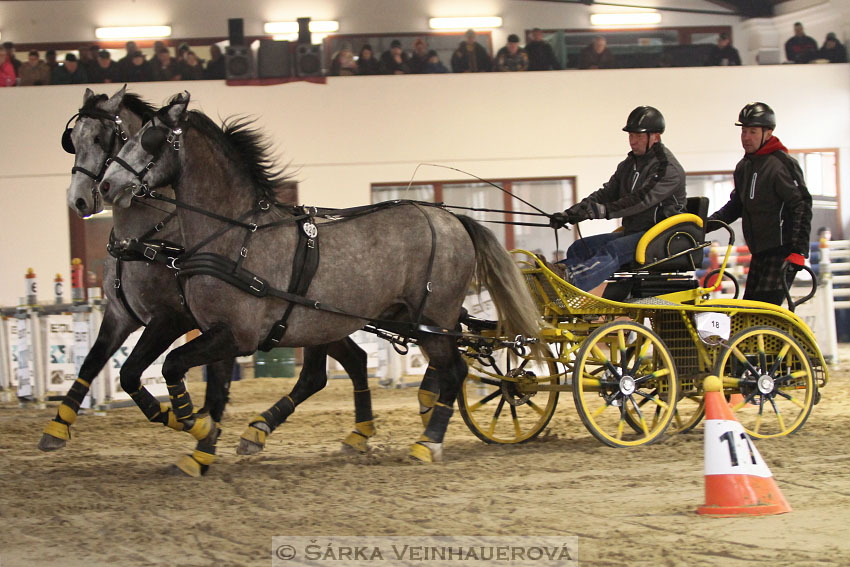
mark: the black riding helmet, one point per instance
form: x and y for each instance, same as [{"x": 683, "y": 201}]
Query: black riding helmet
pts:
[
  {"x": 645, "y": 119},
  {"x": 757, "y": 114}
]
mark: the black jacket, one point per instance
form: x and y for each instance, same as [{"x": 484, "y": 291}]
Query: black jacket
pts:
[
  {"x": 772, "y": 201},
  {"x": 541, "y": 57},
  {"x": 644, "y": 190}
]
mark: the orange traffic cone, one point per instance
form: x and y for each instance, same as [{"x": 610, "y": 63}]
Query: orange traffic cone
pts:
[
  {"x": 735, "y": 400},
  {"x": 737, "y": 480}
]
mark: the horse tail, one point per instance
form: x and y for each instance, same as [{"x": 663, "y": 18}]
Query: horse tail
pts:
[{"x": 496, "y": 271}]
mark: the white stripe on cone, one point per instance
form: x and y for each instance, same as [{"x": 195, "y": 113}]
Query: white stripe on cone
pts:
[{"x": 729, "y": 450}]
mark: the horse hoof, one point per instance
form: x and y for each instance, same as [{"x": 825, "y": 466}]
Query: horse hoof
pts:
[
  {"x": 50, "y": 443},
  {"x": 426, "y": 452},
  {"x": 247, "y": 447},
  {"x": 355, "y": 444},
  {"x": 190, "y": 466}
]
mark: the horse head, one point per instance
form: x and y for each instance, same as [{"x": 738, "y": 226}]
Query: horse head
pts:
[
  {"x": 149, "y": 158},
  {"x": 93, "y": 139}
]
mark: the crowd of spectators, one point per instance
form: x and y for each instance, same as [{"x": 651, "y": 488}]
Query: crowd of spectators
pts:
[{"x": 95, "y": 65}]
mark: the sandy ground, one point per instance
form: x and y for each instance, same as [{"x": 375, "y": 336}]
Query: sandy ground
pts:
[{"x": 109, "y": 499}]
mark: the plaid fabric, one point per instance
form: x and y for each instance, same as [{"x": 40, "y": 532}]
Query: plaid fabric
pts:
[{"x": 766, "y": 271}]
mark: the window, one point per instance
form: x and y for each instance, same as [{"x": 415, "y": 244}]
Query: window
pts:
[{"x": 547, "y": 194}]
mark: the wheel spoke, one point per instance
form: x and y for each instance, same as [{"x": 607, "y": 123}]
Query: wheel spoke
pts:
[
  {"x": 488, "y": 398},
  {"x": 535, "y": 407},
  {"x": 744, "y": 360},
  {"x": 652, "y": 398},
  {"x": 779, "y": 417},
  {"x": 791, "y": 399},
  {"x": 779, "y": 357},
  {"x": 762, "y": 355},
  {"x": 517, "y": 428},
  {"x": 656, "y": 374},
  {"x": 642, "y": 421},
  {"x": 485, "y": 380}
]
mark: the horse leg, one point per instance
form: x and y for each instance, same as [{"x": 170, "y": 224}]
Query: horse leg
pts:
[
  {"x": 451, "y": 370},
  {"x": 313, "y": 377},
  {"x": 215, "y": 344},
  {"x": 219, "y": 375},
  {"x": 353, "y": 360},
  {"x": 112, "y": 333},
  {"x": 157, "y": 337},
  {"x": 429, "y": 391}
]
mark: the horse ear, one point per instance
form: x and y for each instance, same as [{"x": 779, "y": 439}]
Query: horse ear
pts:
[
  {"x": 114, "y": 101},
  {"x": 178, "y": 108},
  {"x": 87, "y": 95}
]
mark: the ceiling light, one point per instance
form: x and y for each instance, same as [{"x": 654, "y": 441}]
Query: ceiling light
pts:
[
  {"x": 132, "y": 32},
  {"x": 316, "y": 26},
  {"x": 473, "y": 22},
  {"x": 629, "y": 19}
]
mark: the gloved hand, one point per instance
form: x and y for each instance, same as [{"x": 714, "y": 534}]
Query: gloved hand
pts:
[
  {"x": 794, "y": 262},
  {"x": 558, "y": 220}
]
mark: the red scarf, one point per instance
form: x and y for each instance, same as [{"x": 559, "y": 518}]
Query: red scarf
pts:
[{"x": 772, "y": 145}]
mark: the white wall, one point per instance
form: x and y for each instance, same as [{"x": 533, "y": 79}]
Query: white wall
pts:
[{"x": 355, "y": 131}]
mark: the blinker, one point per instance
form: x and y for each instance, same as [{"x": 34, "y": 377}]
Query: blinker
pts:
[{"x": 153, "y": 139}]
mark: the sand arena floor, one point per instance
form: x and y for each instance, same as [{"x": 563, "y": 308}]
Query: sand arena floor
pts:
[{"x": 108, "y": 498}]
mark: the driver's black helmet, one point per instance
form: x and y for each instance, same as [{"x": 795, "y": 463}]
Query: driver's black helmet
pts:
[
  {"x": 645, "y": 119},
  {"x": 757, "y": 114}
]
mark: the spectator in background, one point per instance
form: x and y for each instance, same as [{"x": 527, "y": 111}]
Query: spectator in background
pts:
[
  {"x": 394, "y": 60},
  {"x": 596, "y": 55},
  {"x": 8, "y": 77},
  {"x": 126, "y": 62},
  {"x": 723, "y": 53},
  {"x": 71, "y": 73},
  {"x": 216, "y": 65},
  {"x": 50, "y": 59},
  {"x": 367, "y": 64},
  {"x": 88, "y": 59},
  {"x": 182, "y": 51},
  {"x": 419, "y": 57},
  {"x": 343, "y": 63},
  {"x": 800, "y": 48},
  {"x": 434, "y": 65},
  {"x": 165, "y": 67},
  {"x": 511, "y": 57},
  {"x": 9, "y": 48},
  {"x": 470, "y": 56},
  {"x": 191, "y": 68},
  {"x": 34, "y": 71},
  {"x": 105, "y": 69},
  {"x": 139, "y": 70},
  {"x": 832, "y": 50},
  {"x": 541, "y": 56}
]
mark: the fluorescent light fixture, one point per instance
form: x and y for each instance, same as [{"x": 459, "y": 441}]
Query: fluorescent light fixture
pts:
[
  {"x": 133, "y": 32},
  {"x": 626, "y": 19},
  {"x": 473, "y": 22},
  {"x": 316, "y": 26}
]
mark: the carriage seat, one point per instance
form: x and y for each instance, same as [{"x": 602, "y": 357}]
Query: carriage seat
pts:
[
  {"x": 650, "y": 274},
  {"x": 671, "y": 236}
]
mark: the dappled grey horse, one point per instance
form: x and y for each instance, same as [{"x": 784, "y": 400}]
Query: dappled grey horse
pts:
[
  {"x": 142, "y": 291},
  {"x": 393, "y": 264}
]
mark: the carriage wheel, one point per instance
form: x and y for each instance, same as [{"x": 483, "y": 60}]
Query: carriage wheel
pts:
[
  {"x": 502, "y": 411},
  {"x": 624, "y": 373},
  {"x": 690, "y": 409},
  {"x": 773, "y": 375}
]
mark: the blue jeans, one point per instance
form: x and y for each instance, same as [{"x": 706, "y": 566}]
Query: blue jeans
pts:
[{"x": 593, "y": 259}]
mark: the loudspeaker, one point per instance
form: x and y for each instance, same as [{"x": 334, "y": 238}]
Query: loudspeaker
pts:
[
  {"x": 238, "y": 62},
  {"x": 236, "y": 31},
  {"x": 308, "y": 60},
  {"x": 274, "y": 59},
  {"x": 304, "y": 30}
]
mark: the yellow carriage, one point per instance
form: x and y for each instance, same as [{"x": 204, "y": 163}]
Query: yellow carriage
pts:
[{"x": 636, "y": 365}]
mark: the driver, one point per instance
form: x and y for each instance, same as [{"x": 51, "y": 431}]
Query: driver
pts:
[
  {"x": 647, "y": 187},
  {"x": 772, "y": 201}
]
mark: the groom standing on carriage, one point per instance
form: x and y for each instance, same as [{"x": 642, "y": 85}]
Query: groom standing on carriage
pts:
[{"x": 647, "y": 187}]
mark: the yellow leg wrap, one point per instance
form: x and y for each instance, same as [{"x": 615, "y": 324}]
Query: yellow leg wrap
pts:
[
  {"x": 189, "y": 466},
  {"x": 203, "y": 426},
  {"x": 203, "y": 458},
  {"x": 422, "y": 453},
  {"x": 254, "y": 435},
  {"x": 359, "y": 438},
  {"x": 427, "y": 400},
  {"x": 58, "y": 430},
  {"x": 67, "y": 414},
  {"x": 173, "y": 423}
]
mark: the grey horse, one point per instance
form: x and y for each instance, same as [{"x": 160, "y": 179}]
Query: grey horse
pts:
[
  {"x": 402, "y": 263},
  {"x": 148, "y": 293}
]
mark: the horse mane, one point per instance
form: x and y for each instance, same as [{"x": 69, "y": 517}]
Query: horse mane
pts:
[
  {"x": 248, "y": 147},
  {"x": 137, "y": 106}
]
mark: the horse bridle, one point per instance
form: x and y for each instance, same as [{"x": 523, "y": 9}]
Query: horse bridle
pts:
[
  {"x": 118, "y": 135},
  {"x": 154, "y": 141}
]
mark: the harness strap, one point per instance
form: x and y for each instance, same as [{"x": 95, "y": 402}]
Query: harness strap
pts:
[
  {"x": 305, "y": 262},
  {"x": 427, "y": 291},
  {"x": 119, "y": 291}
]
